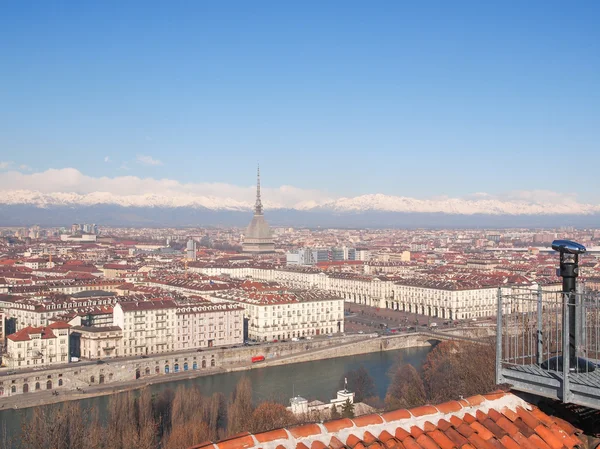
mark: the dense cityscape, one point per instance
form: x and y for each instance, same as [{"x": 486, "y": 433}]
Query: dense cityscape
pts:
[{"x": 299, "y": 225}]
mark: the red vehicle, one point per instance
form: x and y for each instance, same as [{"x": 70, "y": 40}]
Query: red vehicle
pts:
[{"x": 258, "y": 358}]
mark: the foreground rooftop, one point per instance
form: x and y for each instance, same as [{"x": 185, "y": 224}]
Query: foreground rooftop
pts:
[{"x": 496, "y": 420}]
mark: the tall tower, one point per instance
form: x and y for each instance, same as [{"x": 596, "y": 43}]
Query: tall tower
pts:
[
  {"x": 258, "y": 207},
  {"x": 258, "y": 238}
]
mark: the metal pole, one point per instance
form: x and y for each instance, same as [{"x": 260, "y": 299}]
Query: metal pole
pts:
[
  {"x": 569, "y": 270},
  {"x": 540, "y": 341},
  {"x": 566, "y": 352}
]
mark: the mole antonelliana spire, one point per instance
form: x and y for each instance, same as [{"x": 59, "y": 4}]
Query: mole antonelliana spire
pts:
[
  {"x": 258, "y": 208},
  {"x": 258, "y": 238}
]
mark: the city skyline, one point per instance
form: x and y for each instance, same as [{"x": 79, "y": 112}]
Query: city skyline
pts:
[{"x": 336, "y": 101}]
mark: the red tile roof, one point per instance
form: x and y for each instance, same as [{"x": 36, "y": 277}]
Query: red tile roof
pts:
[{"x": 496, "y": 420}]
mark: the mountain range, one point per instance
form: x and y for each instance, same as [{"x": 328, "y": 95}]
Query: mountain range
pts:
[{"x": 26, "y": 207}]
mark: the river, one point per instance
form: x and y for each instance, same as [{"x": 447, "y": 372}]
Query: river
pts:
[{"x": 312, "y": 380}]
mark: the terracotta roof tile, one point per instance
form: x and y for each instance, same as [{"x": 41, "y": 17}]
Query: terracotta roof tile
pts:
[
  {"x": 449, "y": 407},
  {"x": 396, "y": 415},
  {"x": 469, "y": 419},
  {"x": 385, "y": 435},
  {"x": 427, "y": 443},
  {"x": 523, "y": 428},
  {"x": 530, "y": 420},
  {"x": 494, "y": 428},
  {"x": 305, "y": 430},
  {"x": 494, "y": 414},
  {"x": 479, "y": 442},
  {"x": 465, "y": 430},
  {"x": 369, "y": 438},
  {"x": 495, "y": 421},
  {"x": 401, "y": 434},
  {"x": 317, "y": 445},
  {"x": 410, "y": 443},
  {"x": 506, "y": 425},
  {"x": 456, "y": 437},
  {"x": 443, "y": 424},
  {"x": 539, "y": 443},
  {"x": 424, "y": 410},
  {"x": 416, "y": 432},
  {"x": 548, "y": 436},
  {"x": 338, "y": 424},
  {"x": 367, "y": 420},
  {"x": 456, "y": 421},
  {"x": 523, "y": 442},
  {"x": 352, "y": 440},
  {"x": 482, "y": 431},
  {"x": 428, "y": 426},
  {"x": 509, "y": 443}
]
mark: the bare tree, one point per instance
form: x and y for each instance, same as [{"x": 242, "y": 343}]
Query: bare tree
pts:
[
  {"x": 406, "y": 389},
  {"x": 240, "y": 407},
  {"x": 269, "y": 416},
  {"x": 360, "y": 382}
]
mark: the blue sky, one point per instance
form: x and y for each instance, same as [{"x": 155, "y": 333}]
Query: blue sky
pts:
[{"x": 420, "y": 99}]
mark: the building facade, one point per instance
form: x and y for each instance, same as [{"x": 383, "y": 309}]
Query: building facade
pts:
[{"x": 38, "y": 346}]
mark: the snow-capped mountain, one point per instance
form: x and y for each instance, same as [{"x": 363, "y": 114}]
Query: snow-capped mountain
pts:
[{"x": 358, "y": 204}]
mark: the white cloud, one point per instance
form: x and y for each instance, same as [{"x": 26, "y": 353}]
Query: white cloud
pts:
[
  {"x": 25, "y": 167},
  {"x": 5, "y": 164},
  {"x": 107, "y": 159},
  {"x": 68, "y": 186},
  {"x": 147, "y": 160}
]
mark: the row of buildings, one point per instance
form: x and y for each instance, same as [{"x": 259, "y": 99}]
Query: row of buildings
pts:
[{"x": 445, "y": 295}]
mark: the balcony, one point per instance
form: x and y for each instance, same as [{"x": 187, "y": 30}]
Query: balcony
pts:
[{"x": 534, "y": 349}]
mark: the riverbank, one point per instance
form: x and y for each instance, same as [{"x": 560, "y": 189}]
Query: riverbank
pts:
[
  {"x": 365, "y": 344},
  {"x": 317, "y": 380}
]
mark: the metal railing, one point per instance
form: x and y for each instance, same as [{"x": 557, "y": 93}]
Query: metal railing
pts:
[{"x": 534, "y": 338}]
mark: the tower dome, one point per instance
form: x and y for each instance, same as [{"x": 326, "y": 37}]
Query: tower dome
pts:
[{"x": 258, "y": 238}]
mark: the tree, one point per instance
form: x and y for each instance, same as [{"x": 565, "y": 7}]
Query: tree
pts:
[
  {"x": 334, "y": 414},
  {"x": 188, "y": 426},
  {"x": 216, "y": 415},
  {"x": 347, "y": 409},
  {"x": 453, "y": 370},
  {"x": 269, "y": 416},
  {"x": 360, "y": 382},
  {"x": 239, "y": 412},
  {"x": 406, "y": 389}
]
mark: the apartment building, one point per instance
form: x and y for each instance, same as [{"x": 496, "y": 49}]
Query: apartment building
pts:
[
  {"x": 454, "y": 298},
  {"x": 205, "y": 325},
  {"x": 148, "y": 326},
  {"x": 38, "y": 346},
  {"x": 96, "y": 342},
  {"x": 282, "y": 315}
]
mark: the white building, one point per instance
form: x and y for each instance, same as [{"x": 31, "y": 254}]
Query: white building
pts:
[
  {"x": 454, "y": 299},
  {"x": 97, "y": 342},
  {"x": 148, "y": 326},
  {"x": 277, "y": 315},
  {"x": 38, "y": 346}
]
